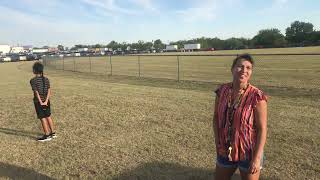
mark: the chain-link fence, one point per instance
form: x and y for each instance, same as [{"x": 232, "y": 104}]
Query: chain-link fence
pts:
[{"x": 279, "y": 70}]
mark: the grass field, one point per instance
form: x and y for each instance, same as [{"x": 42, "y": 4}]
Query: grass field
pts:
[{"x": 124, "y": 127}]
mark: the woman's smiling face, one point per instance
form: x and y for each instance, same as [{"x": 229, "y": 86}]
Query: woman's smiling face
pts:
[{"x": 242, "y": 71}]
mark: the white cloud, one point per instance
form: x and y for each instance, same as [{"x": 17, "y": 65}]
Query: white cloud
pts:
[
  {"x": 146, "y": 4},
  {"x": 109, "y": 6},
  {"x": 276, "y": 7},
  {"x": 24, "y": 28},
  {"x": 205, "y": 10},
  {"x": 280, "y": 2}
]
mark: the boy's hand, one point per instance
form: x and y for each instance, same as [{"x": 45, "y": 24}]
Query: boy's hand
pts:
[{"x": 44, "y": 103}]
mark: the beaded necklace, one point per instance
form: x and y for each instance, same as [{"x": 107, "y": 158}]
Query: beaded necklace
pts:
[{"x": 232, "y": 107}]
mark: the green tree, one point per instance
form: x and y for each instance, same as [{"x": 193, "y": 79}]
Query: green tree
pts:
[
  {"x": 97, "y": 46},
  {"x": 298, "y": 33},
  {"x": 140, "y": 45},
  {"x": 147, "y": 46},
  {"x": 158, "y": 45},
  {"x": 216, "y": 43},
  {"x": 60, "y": 47},
  {"x": 233, "y": 43},
  {"x": 114, "y": 45},
  {"x": 124, "y": 45},
  {"x": 314, "y": 38},
  {"x": 269, "y": 38}
]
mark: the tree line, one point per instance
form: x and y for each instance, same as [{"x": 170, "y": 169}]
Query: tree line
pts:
[{"x": 296, "y": 35}]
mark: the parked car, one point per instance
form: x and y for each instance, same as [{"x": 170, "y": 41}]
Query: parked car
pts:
[
  {"x": 38, "y": 56},
  {"x": 5, "y": 59},
  {"x": 1, "y": 58},
  {"x": 22, "y": 57},
  {"x": 14, "y": 57},
  {"x": 30, "y": 57}
]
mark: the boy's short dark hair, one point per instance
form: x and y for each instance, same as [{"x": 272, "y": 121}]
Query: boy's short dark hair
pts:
[
  {"x": 37, "y": 68},
  {"x": 245, "y": 56}
]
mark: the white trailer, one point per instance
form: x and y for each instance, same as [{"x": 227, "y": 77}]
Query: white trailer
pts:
[
  {"x": 171, "y": 47},
  {"x": 192, "y": 47},
  {"x": 83, "y": 49},
  {"x": 39, "y": 50},
  {"x": 4, "y": 49},
  {"x": 104, "y": 49}
]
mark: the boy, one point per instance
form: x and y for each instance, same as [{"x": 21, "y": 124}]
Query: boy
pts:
[{"x": 41, "y": 90}]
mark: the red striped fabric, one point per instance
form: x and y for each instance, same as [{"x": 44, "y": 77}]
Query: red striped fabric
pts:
[{"x": 243, "y": 139}]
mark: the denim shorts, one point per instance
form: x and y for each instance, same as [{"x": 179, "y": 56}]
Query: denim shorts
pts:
[{"x": 243, "y": 165}]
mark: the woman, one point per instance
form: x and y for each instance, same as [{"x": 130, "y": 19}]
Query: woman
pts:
[{"x": 240, "y": 123}]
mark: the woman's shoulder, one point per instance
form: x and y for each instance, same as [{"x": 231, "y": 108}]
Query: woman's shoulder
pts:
[
  {"x": 222, "y": 87},
  {"x": 258, "y": 93},
  {"x": 255, "y": 89},
  {"x": 225, "y": 85}
]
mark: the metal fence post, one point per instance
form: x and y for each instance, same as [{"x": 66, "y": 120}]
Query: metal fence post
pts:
[
  {"x": 63, "y": 63},
  {"x": 107, "y": 65},
  {"x": 90, "y": 63},
  {"x": 54, "y": 63},
  {"x": 74, "y": 64},
  {"x": 110, "y": 65},
  {"x": 178, "y": 60},
  {"x": 139, "y": 64}
]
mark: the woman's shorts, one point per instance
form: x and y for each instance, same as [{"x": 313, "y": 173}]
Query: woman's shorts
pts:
[
  {"x": 243, "y": 165},
  {"x": 42, "y": 112}
]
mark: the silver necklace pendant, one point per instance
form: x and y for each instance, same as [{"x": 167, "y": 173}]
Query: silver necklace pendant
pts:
[{"x": 235, "y": 106}]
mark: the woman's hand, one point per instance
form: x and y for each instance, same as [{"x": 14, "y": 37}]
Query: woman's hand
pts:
[{"x": 254, "y": 166}]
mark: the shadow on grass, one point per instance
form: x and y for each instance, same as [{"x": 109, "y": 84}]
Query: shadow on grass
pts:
[
  {"x": 168, "y": 171},
  {"x": 28, "y": 134},
  {"x": 16, "y": 172}
]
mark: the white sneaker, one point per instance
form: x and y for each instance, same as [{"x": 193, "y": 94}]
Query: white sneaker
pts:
[{"x": 44, "y": 138}]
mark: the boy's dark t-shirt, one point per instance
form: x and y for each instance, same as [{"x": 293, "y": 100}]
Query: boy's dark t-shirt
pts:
[{"x": 40, "y": 84}]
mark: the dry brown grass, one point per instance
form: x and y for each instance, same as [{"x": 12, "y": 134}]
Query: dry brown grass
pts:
[{"x": 121, "y": 127}]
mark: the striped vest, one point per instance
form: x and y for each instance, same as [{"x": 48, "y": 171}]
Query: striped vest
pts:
[{"x": 244, "y": 132}]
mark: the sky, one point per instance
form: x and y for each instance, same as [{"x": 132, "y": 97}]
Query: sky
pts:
[{"x": 71, "y": 22}]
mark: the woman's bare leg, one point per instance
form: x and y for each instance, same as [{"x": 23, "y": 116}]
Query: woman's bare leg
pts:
[
  {"x": 223, "y": 173},
  {"x": 249, "y": 176}
]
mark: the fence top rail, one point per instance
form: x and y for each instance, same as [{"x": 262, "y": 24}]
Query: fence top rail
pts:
[
  {"x": 276, "y": 54},
  {"x": 175, "y": 55}
]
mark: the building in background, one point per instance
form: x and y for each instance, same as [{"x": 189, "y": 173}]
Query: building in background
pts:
[
  {"x": 17, "y": 50},
  {"x": 27, "y": 48},
  {"x": 4, "y": 49},
  {"x": 53, "y": 50}
]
